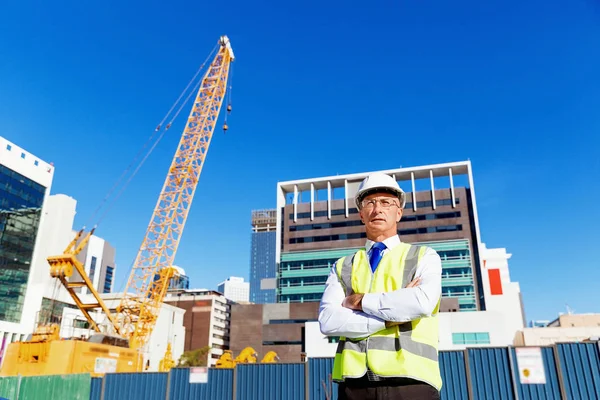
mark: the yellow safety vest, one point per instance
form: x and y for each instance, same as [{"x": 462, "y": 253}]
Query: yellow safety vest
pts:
[{"x": 409, "y": 350}]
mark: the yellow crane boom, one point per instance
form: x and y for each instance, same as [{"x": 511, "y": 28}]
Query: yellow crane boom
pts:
[
  {"x": 149, "y": 279},
  {"x": 140, "y": 305}
]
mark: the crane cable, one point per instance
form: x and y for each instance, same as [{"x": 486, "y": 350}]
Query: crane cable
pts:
[
  {"x": 229, "y": 89},
  {"x": 148, "y": 141},
  {"x": 185, "y": 90},
  {"x": 159, "y": 127}
]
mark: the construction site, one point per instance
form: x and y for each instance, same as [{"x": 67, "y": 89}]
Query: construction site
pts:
[{"x": 70, "y": 332}]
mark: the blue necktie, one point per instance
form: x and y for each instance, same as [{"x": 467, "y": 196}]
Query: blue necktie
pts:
[{"x": 376, "y": 254}]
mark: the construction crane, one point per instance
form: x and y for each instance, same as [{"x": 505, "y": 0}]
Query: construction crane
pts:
[{"x": 135, "y": 317}]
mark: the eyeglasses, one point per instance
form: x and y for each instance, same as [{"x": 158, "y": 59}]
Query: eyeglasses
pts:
[{"x": 386, "y": 203}]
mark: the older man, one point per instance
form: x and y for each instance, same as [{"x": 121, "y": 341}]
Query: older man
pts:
[{"x": 383, "y": 302}]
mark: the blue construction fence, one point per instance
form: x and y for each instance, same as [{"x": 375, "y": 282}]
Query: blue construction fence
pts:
[{"x": 568, "y": 371}]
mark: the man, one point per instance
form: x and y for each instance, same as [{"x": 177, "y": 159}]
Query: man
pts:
[{"x": 383, "y": 302}]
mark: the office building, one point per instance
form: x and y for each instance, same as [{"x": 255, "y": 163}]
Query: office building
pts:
[
  {"x": 206, "y": 320},
  {"x": 25, "y": 182},
  {"x": 565, "y": 328},
  {"x": 97, "y": 258},
  {"x": 318, "y": 222},
  {"x": 235, "y": 289},
  {"x": 33, "y": 226},
  {"x": 263, "y": 265},
  {"x": 180, "y": 280}
]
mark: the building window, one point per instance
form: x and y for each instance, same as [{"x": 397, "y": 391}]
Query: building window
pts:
[
  {"x": 326, "y": 225},
  {"x": 282, "y": 343},
  {"x": 23, "y": 155},
  {"x": 471, "y": 338},
  {"x": 8, "y": 147},
  {"x": 339, "y": 211},
  {"x": 429, "y": 203},
  {"x": 290, "y": 321},
  {"x": 108, "y": 279},
  {"x": 427, "y": 217},
  {"x": 36, "y": 163},
  {"x": 92, "y": 269}
]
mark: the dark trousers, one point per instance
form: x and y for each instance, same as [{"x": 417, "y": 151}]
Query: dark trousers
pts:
[{"x": 397, "y": 389}]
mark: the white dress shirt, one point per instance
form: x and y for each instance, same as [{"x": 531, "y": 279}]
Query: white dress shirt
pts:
[{"x": 400, "y": 305}]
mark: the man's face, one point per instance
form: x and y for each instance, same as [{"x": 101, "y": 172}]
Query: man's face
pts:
[{"x": 380, "y": 212}]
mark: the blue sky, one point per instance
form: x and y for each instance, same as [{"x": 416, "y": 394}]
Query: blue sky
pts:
[{"x": 321, "y": 89}]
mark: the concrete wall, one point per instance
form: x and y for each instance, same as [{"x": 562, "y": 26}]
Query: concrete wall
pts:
[
  {"x": 508, "y": 304},
  {"x": 43, "y": 173},
  {"x": 576, "y": 320},
  {"x": 548, "y": 336}
]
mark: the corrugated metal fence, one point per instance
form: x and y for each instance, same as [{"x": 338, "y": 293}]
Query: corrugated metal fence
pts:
[
  {"x": 454, "y": 375},
  {"x": 320, "y": 384},
  {"x": 53, "y": 387},
  {"x": 270, "y": 381},
  {"x": 568, "y": 371}
]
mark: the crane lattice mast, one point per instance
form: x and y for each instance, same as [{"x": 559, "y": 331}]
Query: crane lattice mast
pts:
[
  {"x": 148, "y": 282},
  {"x": 152, "y": 269}
]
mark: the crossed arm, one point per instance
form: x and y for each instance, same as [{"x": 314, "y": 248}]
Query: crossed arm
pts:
[{"x": 360, "y": 315}]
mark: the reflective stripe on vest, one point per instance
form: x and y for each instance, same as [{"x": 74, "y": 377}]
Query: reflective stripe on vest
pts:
[{"x": 392, "y": 351}]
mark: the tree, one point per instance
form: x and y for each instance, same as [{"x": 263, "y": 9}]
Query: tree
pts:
[{"x": 194, "y": 358}]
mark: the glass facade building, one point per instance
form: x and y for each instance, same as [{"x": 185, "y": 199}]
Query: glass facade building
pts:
[
  {"x": 179, "y": 282},
  {"x": 21, "y": 202},
  {"x": 302, "y": 275},
  {"x": 457, "y": 272},
  {"x": 262, "y": 266},
  {"x": 318, "y": 222}
]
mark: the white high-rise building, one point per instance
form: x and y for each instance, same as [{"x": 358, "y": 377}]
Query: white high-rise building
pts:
[
  {"x": 33, "y": 226},
  {"x": 235, "y": 289},
  {"x": 25, "y": 182},
  {"x": 98, "y": 256}
]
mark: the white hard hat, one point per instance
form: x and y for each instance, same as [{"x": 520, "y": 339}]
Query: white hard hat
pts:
[{"x": 379, "y": 182}]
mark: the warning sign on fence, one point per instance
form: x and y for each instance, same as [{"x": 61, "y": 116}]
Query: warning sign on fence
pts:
[
  {"x": 531, "y": 365},
  {"x": 199, "y": 375}
]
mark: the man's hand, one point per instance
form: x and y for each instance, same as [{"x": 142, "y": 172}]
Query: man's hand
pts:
[
  {"x": 415, "y": 282},
  {"x": 353, "y": 302}
]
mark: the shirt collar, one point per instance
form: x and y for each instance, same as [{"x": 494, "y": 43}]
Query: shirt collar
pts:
[{"x": 390, "y": 243}]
